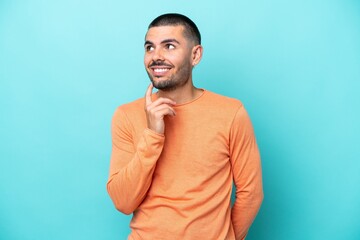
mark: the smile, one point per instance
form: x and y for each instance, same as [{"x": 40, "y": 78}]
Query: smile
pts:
[{"x": 161, "y": 70}]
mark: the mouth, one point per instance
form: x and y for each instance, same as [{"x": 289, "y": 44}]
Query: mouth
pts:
[{"x": 160, "y": 71}]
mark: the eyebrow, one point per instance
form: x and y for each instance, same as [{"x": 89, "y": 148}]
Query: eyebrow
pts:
[{"x": 170, "y": 40}]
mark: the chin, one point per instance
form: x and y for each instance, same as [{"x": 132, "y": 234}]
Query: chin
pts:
[{"x": 164, "y": 85}]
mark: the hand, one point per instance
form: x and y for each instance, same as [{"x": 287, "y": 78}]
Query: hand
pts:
[{"x": 157, "y": 110}]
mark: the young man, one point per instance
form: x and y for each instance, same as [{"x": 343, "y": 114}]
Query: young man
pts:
[{"x": 176, "y": 153}]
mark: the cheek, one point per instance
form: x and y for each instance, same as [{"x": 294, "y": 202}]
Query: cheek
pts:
[
  {"x": 177, "y": 59},
  {"x": 146, "y": 60}
]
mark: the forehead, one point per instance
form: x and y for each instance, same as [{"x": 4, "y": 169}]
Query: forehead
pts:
[{"x": 158, "y": 34}]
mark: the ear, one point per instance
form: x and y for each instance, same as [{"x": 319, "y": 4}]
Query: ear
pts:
[{"x": 197, "y": 52}]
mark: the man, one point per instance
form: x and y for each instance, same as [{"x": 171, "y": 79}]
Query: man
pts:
[{"x": 174, "y": 164}]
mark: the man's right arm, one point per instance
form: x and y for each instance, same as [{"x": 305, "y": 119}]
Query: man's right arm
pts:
[{"x": 131, "y": 169}]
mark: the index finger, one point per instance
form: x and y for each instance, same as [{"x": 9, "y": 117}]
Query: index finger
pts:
[{"x": 148, "y": 94}]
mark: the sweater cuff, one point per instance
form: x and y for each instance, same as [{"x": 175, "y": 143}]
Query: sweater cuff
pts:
[
  {"x": 152, "y": 132},
  {"x": 150, "y": 146}
]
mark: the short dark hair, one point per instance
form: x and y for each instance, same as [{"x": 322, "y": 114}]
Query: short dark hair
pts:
[{"x": 174, "y": 19}]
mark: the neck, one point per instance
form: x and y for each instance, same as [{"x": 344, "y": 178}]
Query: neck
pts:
[{"x": 182, "y": 94}]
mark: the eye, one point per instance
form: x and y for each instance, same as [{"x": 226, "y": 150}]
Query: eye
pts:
[
  {"x": 170, "y": 46},
  {"x": 149, "y": 48}
]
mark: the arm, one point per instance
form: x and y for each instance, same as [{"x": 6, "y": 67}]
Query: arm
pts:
[
  {"x": 246, "y": 168},
  {"x": 131, "y": 170}
]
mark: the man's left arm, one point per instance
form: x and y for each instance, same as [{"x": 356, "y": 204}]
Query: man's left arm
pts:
[{"x": 246, "y": 169}]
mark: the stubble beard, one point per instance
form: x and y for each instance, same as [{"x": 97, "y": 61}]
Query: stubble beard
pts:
[{"x": 174, "y": 81}]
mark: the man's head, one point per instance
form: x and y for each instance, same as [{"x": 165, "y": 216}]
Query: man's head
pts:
[
  {"x": 172, "y": 49},
  {"x": 174, "y": 19}
]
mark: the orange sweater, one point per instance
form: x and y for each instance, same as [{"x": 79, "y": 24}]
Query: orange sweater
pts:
[{"x": 178, "y": 185}]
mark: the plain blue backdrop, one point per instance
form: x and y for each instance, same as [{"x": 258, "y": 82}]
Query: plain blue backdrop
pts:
[{"x": 66, "y": 65}]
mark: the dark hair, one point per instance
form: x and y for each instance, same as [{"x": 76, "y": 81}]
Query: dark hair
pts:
[{"x": 174, "y": 19}]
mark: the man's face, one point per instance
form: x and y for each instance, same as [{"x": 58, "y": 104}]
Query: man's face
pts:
[{"x": 168, "y": 57}]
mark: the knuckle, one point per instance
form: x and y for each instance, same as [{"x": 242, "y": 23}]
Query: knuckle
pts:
[
  {"x": 147, "y": 108},
  {"x": 158, "y": 114}
]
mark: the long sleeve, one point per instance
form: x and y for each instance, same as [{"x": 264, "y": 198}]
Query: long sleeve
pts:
[
  {"x": 131, "y": 166},
  {"x": 246, "y": 168}
]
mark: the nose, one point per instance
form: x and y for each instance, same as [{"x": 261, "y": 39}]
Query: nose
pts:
[{"x": 157, "y": 55}]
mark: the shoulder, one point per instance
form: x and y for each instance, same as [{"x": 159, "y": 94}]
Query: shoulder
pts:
[
  {"x": 222, "y": 102},
  {"x": 134, "y": 105},
  {"x": 234, "y": 110},
  {"x": 131, "y": 109}
]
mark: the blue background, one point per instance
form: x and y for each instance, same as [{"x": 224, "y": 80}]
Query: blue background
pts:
[{"x": 66, "y": 65}]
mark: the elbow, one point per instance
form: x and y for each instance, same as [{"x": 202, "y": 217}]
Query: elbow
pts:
[
  {"x": 252, "y": 198},
  {"x": 124, "y": 209},
  {"x": 261, "y": 197},
  {"x": 258, "y": 198},
  {"x": 257, "y": 195},
  {"x": 122, "y": 204}
]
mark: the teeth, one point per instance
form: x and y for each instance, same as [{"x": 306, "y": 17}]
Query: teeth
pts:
[{"x": 160, "y": 70}]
